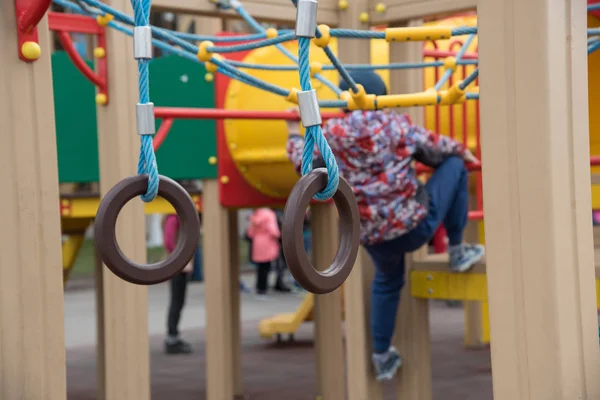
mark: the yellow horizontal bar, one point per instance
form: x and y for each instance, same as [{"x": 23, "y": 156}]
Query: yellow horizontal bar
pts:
[
  {"x": 428, "y": 98},
  {"x": 259, "y": 156},
  {"x": 454, "y": 286},
  {"x": 418, "y": 33},
  {"x": 87, "y": 207}
]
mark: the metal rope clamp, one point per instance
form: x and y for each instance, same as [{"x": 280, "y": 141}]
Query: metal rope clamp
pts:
[
  {"x": 106, "y": 218},
  {"x": 318, "y": 282}
]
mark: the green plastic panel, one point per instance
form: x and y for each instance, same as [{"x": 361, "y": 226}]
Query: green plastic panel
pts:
[
  {"x": 179, "y": 82},
  {"x": 174, "y": 82},
  {"x": 75, "y": 114}
]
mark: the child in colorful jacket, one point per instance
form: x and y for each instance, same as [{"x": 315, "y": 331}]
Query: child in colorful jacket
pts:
[{"x": 375, "y": 151}]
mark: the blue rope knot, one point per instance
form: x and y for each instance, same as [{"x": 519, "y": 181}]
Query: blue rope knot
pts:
[{"x": 314, "y": 134}]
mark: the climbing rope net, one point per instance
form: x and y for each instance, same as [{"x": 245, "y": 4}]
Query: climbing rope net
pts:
[{"x": 204, "y": 50}]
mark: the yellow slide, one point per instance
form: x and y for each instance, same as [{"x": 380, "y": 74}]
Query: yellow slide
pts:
[{"x": 288, "y": 323}]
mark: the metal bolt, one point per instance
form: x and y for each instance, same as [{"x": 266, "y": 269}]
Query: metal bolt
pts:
[
  {"x": 429, "y": 277},
  {"x": 430, "y": 291}
]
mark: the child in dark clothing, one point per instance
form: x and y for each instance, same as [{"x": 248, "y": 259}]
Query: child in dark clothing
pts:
[{"x": 375, "y": 151}]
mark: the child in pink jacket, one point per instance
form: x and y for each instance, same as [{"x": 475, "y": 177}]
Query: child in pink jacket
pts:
[{"x": 264, "y": 232}]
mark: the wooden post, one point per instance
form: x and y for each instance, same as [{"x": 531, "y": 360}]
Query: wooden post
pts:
[
  {"x": 123, "y": 356},
  {"x": 236, "y": 346},
  {"x": 361, "y": 383},
  {"x": 328, "y": 307},
  {"x": 32, "y": 359},
  {"x": 476, "y": 318},
  {"x": 217, "y": 278},
  {"x": 540, "y": 260},
  {"x": 412, "y": 323}
]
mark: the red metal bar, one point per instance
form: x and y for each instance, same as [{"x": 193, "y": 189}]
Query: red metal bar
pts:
[
  {"x": 465, "y": 129},
  {"x": 446, "y": 53},
  {"x": 451, "y": 112},
  {"x": 67, "y": 43},
  {"x": 163, "y": 132},
  {"x": 32, "y": 13},
  {"x": 476, "y": 214},
  {"x": 58, "y": 21},
  {"x": 439, "y": 240},
  {"x": 423, "y": 169},
  {"x": 594, "y": 161},
  {"x": 102, "y": 64},
  {"x": 218, "y": 114}
]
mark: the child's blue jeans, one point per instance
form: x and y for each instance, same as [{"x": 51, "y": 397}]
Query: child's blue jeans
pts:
[{"x": 448, "y": 203}]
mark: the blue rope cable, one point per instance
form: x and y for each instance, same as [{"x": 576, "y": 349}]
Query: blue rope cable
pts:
[
  {"x": 593, "y": 32},
  {"x": 472, "y": 96},
  {"x": 593, "y": 47},
  {"x": 258, "y": 27},
  {"x": 224, "y": 65},
  {"x": 224, "y": 39},
  {"x": 464, "y": 30},
  {"x": 314, "y": 134},
  {"x": 252, "y": 45},
  {"x": 448, "y": 73},
  {"x": 354, "y": 33},
  {"x": 593, "y": 7},
  {"x": 147, "y": 162},
  {"x": 392, "y": 66},
  {"x": 469, "y": 79}
]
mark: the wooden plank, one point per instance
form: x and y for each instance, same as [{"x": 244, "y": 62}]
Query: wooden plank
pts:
[
  {"x": 404, "y": 10},
  {"x": 361, "y": 382},
  {"x": 328, "y": 307},
  {"x": 236, "y": 328},
  {"x": 262, "y": 10},
  {"x": 218, "y": 287},
  {"x": 32, "y": 352},
  {"x": 124, "y": 365},
  {"x": 544, "y": 338},
  {"x": 412, "y": 323}
]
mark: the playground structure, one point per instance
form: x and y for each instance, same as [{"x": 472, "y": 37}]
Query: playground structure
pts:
[{"x": 528, "y": 241}]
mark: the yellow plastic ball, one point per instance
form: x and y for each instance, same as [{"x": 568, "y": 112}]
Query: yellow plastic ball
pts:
[
  {"x": 364, "y": 17},
  {"x": 99, "y": 52},
  {"x": 224, "y": 179},
  {"x": 380, "y": 8},
  {"x": 209, "y": 77},
  {"x": 31, "y": 50},
  {"x": 272, "y": 33},
  {"x": 101, "y": 99},
  {"x": 343, "y": 4},
  {"x": 212, "y": 160}
]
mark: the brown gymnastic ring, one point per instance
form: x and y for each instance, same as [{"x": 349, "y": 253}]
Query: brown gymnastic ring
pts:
[
  {"x": 106, "y": 239},
  {"x": 320, "y": 282}
]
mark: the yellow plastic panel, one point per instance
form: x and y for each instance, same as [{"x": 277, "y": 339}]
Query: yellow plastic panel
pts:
[
  {"x": 258, "y": 147},
  {"x": 460, "y": 73}
]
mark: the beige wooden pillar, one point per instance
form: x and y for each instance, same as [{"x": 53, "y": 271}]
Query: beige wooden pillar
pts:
[
  {"x": 32, "y": 356},
  {"x": 476, "y": 312},
  {"x": 540, "y": 264},
  {"x": 361, "y": 383},
  {"x": 123, "y": 355},
  {"x": 236, "y": 333},
  {"x": 412, "y": 323},
  {"x": 220, "y": 375},
  {"x": 328, "y": 307}
]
